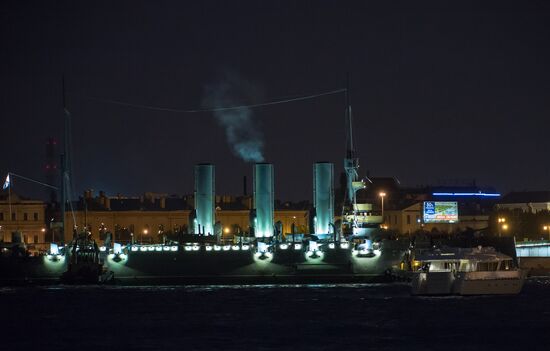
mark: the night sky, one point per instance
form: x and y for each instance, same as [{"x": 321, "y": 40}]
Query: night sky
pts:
[{"x": 439, "y": 92}]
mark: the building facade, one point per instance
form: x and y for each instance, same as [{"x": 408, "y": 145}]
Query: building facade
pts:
[
  {"x": 22, "y": 219},
  {"x": 408, "y": 220},
  {"x": 150, "y": 217},
  {"x": 526, "y": 201}
]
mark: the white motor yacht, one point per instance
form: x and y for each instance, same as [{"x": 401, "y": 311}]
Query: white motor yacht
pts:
[{"x": 465, "y": 271}]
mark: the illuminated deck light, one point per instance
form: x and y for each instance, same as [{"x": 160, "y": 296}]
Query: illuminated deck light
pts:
[
  {"x": 262, "y": 247},
  {"x": 54, "y": 249},
  {"x": 188, "y": 248},
  {"x": 313, "y": 246},
  {"x": 236, "y": 247},
  {"x": 297, "y": 246},
  {"x": 208, "y": 248},
  {"x": 331, "y": 246},
  {"x": 283, "y": 246},
  {"x": 135, "y": 248},
  {"x": 143, "y": 248},
  {"x": 117, "y": 248},
  {"x": 174, "y": 248},
  {"x": 344, "y": 245},
  {"x": 166, "y": 248},
  {"x": 245, "y": 247},
  {"x": 196, "y": 247},
  {"x": 151, "y": 248},
  {"x": 226, "y": 247},
  {"x": 217, "y": 247},
  {"x": 158, "y": 248},
  {"x": 102, "y": 249}
]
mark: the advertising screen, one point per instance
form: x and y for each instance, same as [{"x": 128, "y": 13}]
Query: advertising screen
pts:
[{"x": 440, "y": 211}]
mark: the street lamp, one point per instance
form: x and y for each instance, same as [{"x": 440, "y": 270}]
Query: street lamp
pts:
[
  {"x": 505, "y": 227},
  {"x": 145, "y": 231},
  {"x": 501, "y": 225},
  {"x": 382, "y": 196},
  {"x": 547, "y": 228}
]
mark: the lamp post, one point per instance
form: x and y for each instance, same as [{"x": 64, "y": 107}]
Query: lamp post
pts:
[
  {"x": 501, "y": 225},
  {"x": 144, "y": 232},
  {"x": 505, "y": 227},
  {"x": 382, "y": 196},
  {"x": 547, "y": 228}
]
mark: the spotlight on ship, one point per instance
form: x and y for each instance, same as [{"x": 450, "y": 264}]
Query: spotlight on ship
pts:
[
  {"x": 263, "y": 250},
  {"x": 53, "y": 254},
  {"x": 313, "y": 249},
  {"x": 117, "y": 248}
]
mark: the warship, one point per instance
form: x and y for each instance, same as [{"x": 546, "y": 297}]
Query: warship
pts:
[{"x": 349, "y": 246}]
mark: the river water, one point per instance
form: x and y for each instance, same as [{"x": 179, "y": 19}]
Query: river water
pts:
[{"x": 293, "y": 317}]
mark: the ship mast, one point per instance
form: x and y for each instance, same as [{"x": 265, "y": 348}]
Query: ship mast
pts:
[
  {"x": 65, "y": 162},
  {"x": 351, "y": 162}
]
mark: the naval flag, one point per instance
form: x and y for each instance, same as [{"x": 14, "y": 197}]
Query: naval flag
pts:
[{"x": 6, "y": 183}]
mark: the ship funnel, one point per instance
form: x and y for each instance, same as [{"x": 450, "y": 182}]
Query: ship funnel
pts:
[
  {"x": 323, "y": 196},
  {"x": 204, "y": 199},
  {"x": 264, "y": 200}
]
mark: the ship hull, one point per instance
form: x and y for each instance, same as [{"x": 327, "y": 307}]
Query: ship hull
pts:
[{"x": 227, "y": 266}]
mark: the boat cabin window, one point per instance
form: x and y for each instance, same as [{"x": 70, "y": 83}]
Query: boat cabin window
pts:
[
  {"x": 505, "y": 265},
  {"x": 487, "y": 266},
  {"x": 466, "y": 266},
  {"x": 441, "y": 266}
]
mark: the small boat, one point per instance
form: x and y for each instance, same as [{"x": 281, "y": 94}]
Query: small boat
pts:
[{"x": 465, "y": 271}]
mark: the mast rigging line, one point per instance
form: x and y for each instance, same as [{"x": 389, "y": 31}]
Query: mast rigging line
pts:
[
  {"x": 33, "y": 181},
  {"x": 217, "y": 109}
]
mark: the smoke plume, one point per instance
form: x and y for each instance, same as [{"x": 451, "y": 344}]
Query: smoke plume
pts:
[{"x": 242, "y": 133}]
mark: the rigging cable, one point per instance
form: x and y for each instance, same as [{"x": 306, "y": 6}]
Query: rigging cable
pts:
[{"x": 217, "y": 109}]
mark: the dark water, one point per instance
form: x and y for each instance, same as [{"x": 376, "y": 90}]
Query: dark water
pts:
[{"x": 359, "y": 317}]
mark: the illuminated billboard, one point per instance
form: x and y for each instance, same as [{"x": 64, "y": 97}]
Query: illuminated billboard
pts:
[{"x": 440, "y": 212}]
